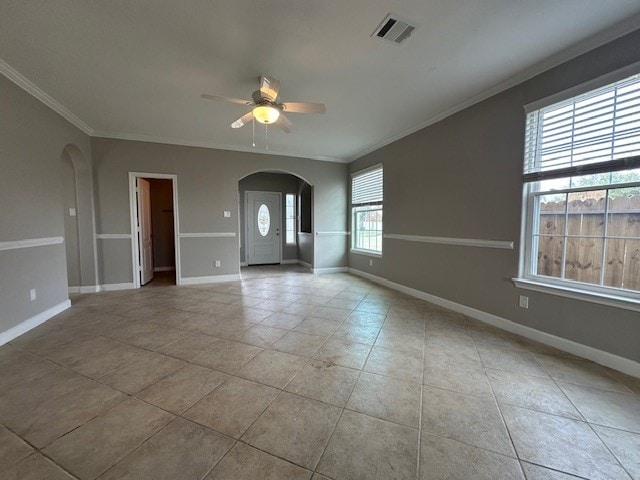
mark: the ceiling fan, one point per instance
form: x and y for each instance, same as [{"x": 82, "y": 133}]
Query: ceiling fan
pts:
[{"x": 266, "y": 108}]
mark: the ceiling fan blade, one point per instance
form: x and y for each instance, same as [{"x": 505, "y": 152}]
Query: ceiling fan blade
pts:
[
  {"x": 239, "y": 101},
  {"x": 304, "y": 107},
  {"x": 269, "y": 87},
  {"x": 284, "y": 123},
  {"x": 243, "y": 120}
]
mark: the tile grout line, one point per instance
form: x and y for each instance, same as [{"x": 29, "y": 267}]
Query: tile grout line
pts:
[
  {"x": 355, "y": 384},
  {"x": 308, "y": 361},
  {"x": 555, "y": 382},
  {"x": 424, "y": 354},
  {"x": 497, "y": 404},
  {"x": 591, "y": 426}
]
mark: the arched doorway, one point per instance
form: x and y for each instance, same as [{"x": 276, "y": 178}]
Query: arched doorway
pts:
[
  {"x": 78, "y": 221},
  {"x": 275, "y": 212}
]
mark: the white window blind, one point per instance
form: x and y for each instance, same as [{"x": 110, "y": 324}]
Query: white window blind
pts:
[
  {"x": 366, "y": 187},
  {"x": 593, "y": 132}
]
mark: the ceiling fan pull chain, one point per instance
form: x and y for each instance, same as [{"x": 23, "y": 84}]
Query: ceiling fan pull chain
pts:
[
  {"x": 253, "y": 124},
  {"x": 266, "y": 137}
]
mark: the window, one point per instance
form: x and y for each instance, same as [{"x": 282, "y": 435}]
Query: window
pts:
[
  {"x": 582, "y": 188},
  {"x": 264, "y": 220},
  {"x": 290, "y": 218},
  {"x": 366, "y": 210}
]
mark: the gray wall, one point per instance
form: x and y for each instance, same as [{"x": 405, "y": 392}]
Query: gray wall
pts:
[
  {"x": 162, "y": 223},
  {"x": 207, "y": 186},
  {"x": 268, "y": 182},
  {"x": 33, "y": 138},
  {"x": 462, "y": 177}
]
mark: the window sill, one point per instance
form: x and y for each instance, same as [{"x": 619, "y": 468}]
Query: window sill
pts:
[
  {"x": 578, "y": 294},
  {"x": 365, "y": 253}
]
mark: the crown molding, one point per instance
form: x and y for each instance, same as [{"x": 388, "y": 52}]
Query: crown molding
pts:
[
  {"x": 580, "y": 48},
  {"x": 594, "y": 41},
  {"x": 20, "y": 80},
  {"x": 217, "y": 146},
  {"x": 27, "y": 85}
]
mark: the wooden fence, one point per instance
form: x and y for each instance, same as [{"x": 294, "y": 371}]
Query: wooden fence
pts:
[{"x": 583, "y": 261}]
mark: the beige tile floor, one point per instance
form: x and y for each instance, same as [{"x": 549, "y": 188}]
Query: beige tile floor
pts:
[{"x": 290, "y": 375}]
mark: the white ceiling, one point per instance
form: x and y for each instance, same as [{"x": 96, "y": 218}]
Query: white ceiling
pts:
[{"x": 135, "y": 69}]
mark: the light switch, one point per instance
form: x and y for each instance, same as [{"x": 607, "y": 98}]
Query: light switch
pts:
[
  {"x": 227, "y": 214},
  {"x": 72, "y": 212}
]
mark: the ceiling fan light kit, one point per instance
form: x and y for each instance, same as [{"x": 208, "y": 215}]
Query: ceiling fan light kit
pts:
[
  {"x": 266, "y": 114},
  {"x": 265, "y": 108}
]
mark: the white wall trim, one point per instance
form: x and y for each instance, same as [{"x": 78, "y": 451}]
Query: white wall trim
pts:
[
  {"x": 244, "y": 264},
  {"x": 30, "y": 242},
  {"x": 24, "y": 83},
  {"x": 289, "y": 262},
  {"x": 607, "y": 359},
  {"x": 305, "y": 264},
  {"x": 33, "y": 322},
  {"x": 627, "y": 26},
  {"x": 577, "y": 294},
  {"x": 207, "y": 235},
  {"x": 322, "y": 271},
  {"x": 108, "y": 236},
  {"x": 365, "y": 253},
  {"x": 164, "y": 269},
  {"x": 234, "y": 277},
  {"x": 84, "y": 289},
  {"x": 108, "y": 287},
  {"x": 338, "y": 233},
  {"x": 466, "y": 242}
]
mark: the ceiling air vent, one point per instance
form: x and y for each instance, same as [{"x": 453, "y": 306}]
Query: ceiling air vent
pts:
[{"x": 393, "y": 29}]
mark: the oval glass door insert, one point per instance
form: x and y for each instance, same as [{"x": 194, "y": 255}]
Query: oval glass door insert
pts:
[{"x": 264, "y": 220}]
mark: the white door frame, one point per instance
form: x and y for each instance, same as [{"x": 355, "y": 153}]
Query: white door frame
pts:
[
  {"x": 246, "y": 222},
  {"x": 133, "y": 203}
]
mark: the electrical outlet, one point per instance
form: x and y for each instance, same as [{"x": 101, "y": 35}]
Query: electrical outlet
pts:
[
  {"x": 227, "y": 214},
  {"x": 370, "y": 263},
  {"x": 524, "y": 301},
  {"x": 217, "y": 263},
  {"x": 72, "y": 212},
  {"x": 32, "y": 294}
]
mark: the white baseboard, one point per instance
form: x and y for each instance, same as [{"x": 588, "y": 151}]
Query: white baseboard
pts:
[
  {"x": 244, "y": 264},
  {"x": 33, "y": 322},
  {"x": 234, "y": 277},
  {"x": 305, "y": 264},
  {"x": 288, "y": 262},
  {"x": 84, "y": 289},
  {"x": 322, "y": 271},
  {"x": 625, "y": 365},
  {"x": 116, "y": 286},
  {"x": 164, "y": 269}
]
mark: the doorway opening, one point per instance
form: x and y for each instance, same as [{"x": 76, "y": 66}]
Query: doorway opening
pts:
[
  {"x": 275, "y": 220},
  {"x": 80, "y": 247},
  {"x": 154, "y": 224}
]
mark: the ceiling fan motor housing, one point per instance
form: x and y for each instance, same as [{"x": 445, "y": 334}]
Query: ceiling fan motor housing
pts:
[{"x": 259, "y": 99}]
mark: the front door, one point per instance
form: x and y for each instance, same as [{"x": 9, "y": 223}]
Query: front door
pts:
[
  {"x": 262, "y": 216},
  {"x": 145, "y": 239}
]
